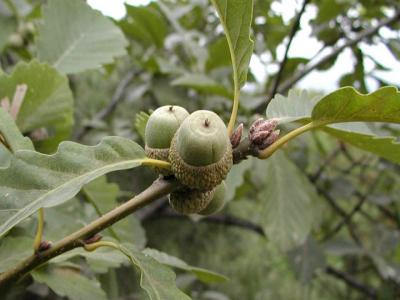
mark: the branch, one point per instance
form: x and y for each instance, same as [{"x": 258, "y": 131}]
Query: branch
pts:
[
  {"x": 295, "y": 28},
  {"x": 158, "y": 189},
  {"x": 106, "y": 111},
  {"x": 228, "y": 220},
  {"x": 362, "y": 35},
  {"x": 352, "y": 282}
]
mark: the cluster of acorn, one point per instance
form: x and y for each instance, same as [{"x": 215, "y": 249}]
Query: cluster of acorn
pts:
[{"x": 199, "y": 149}]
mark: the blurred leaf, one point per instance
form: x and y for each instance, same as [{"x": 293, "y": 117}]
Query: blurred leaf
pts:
[
  {"x": 10, "y": 132},
  {"x": 157, "y": 279},
  {"x": 394, "y": 47},
  {"x": 49, "y": 180},
  {"x": 8, "y": 25},
  {"x": 204, "y": 275},
  {"x": 141, "y": 122},
  {"x": 285, "y": 201},
  {"x": 74, "y": 38},
  {"x": 235, "y": 178},
  {"x": 13, "y": 250},
  {"x": 104, "y": 195},
  {"x": 146, "y": 25},
  {"x": 202, "y": 83},
  {"x": 48, "y": 101},
  {"x": 306, "y": 259},
  {"x": 236, "y": 17},
  {"x": 67, "y": 282}
]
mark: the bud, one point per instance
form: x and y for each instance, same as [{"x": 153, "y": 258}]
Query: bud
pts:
[
  {"x": 44, "y": 245},
  {"x": 272, "y": 138},
  {"x": 236, "y": 136},
  {"x": 267, "y": 125},
  {"x": 255, "y": 124},
  {"x": 259, "y": 137},
  {"x": 93, "y": 239}
]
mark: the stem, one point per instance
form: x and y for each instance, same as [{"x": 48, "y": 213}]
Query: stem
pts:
[
  {"x": 235, "y": 108},
  {"x": 156, "y": 163},
  {"x": 283, "y": 140},
  {"x": 159, "y": 188},
  {"x": 94, "y": 246},
  {"x": 39, "y": 232}
]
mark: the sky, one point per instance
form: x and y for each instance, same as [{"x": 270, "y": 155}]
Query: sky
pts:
[{"x": 302, "y": 46}]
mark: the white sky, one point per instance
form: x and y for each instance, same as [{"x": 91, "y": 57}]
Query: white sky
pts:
[{"x": 302, "y": 46}]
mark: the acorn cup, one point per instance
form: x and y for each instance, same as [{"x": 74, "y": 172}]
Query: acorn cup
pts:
[
  {"x": 201, "y": 152},
  {"x": 160, "y": 129},
  {"x": 188, "y": 201}
]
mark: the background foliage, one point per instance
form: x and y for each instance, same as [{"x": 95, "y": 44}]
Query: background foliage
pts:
[{"x": 318, "y": 220}]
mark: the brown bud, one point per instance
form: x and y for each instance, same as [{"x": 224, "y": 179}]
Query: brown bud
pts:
[
  {"x": 236, "y": 136},
  {"x": 93, "y": 239},
  {"x": 44, "y": 245},
  {"x": 258, "y": 137},
  {"x": 267, "y": 125},
  {"x": 255, "y": 124},
  {"x": 272, "y": 138}
]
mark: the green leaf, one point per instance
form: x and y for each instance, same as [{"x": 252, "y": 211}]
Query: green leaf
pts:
[
  {"x": 217, "y": 55},
  {"x": 74, "y": 38},
  {"x": 348, "y": 105},
  {"x": 48, "y": 102},
  {"x": 204, "y": 275},
  {"x": 285, "y": 202},
  {"x": 235, "y": 178},
  {"x": 13, "y": 250},
  {"x": 35, "y": 180},
  {"x": 202, "y": 83},
  {"x": 236, "y": 17},
  {"x": 68, "y": 282},
  {"x": 10, "y": 132},
  {"x": 157, "y": 279},
  {"x": 141, "y": 122}
]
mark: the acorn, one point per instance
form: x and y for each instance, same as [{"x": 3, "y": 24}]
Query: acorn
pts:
[
  {"x": 217, "y": 202},
  {"x": 188, "y": 201},
  {"x": 160, "y": 129},
  {"x": 201, "y": 151}
]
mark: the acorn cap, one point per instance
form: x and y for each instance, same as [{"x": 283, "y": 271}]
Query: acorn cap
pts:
[
  {"x": 162, "y": 125},
  {"x": 217, "y": 202},
  {"x": 188, "y": 201},
  {"x": 201, "y": 152}
]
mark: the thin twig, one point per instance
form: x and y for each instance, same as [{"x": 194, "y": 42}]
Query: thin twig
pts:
[
  {"x": 106, "y": 111},
  {"x": 295, "y": 28},
  {"x": 352, "y": 282},
  {"x": 158, "y": 189},
  {"x": 312, "y": 66}
]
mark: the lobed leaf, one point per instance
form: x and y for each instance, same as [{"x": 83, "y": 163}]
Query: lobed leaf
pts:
[
  {"x": 74, "y": 38},
  {"x": 203, "y": 84},
  {"x": 348, "y": 105},
  {"x": 34, "y": 180}
]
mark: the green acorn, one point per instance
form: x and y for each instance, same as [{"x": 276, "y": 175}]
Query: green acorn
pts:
[
  {"x": 188, "y": 201},
  {"x": 217, "y": 202},
  {"x": 201, "y": 152},
  {"x": 160, "y": 129}
]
